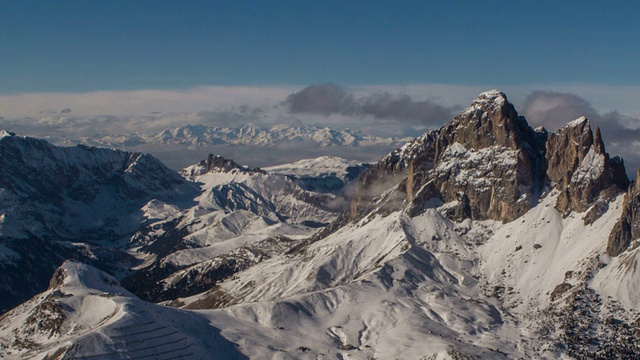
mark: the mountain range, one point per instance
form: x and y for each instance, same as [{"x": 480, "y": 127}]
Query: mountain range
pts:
[
  {"x": 202, "y": 136},
  {"x": 483, "y": 239}
]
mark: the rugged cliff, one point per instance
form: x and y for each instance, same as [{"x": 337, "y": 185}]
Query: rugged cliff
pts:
[{"x": 488, "y": 163}]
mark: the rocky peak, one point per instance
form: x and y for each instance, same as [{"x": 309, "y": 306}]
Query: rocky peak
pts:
[
  {"x": 566, "y": 149},
  {"x": 500, "y": 164},
  {"x": 491, "y": 120},
  {"x": 216, "y": 163},
  {"x": 491, "y": 155},
  {"x": 579, "y": 167},
  {"x": 488, "y": 153}
]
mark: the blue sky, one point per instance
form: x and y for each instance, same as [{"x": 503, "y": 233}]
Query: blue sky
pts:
[{"x": 78, "y": 46}]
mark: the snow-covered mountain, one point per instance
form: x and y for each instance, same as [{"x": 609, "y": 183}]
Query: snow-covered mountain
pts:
[
  {"x": 482, "y": 239},
  {"x": 202, "y": 136},
  {"x": 86, "y": 314},
  {"x": 242, "y": 217},
  {"x": 120, "y": 210},
  {"x": 59, "y": 203}
]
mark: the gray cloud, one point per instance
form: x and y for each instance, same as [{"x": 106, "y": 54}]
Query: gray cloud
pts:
[
  {"x": 325, "y": 99},
  {"x": 554, "y": 110},
  {"x": 328, "y": 99}
]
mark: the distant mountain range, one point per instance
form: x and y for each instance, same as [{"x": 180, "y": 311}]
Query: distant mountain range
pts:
[{"x": 202, "y": 136}]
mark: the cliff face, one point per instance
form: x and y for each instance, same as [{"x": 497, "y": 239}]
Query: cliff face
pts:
[
  {"x": 627, "y": 228},
  {"x": 491, "y": 155},
  {"x": 488, "y": 163},
  {"x": 487, "y": 159},
  {"x": 579, "y": 167}
]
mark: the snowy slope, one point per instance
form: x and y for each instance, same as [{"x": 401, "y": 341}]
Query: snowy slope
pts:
[
  {"x": 241, "y": 217},
  {"x": 374, "y": 288},
  {"x": 385, "y": 287},
  {"x": 327, "y": 174},
  {"x": 85, "y": 314}
]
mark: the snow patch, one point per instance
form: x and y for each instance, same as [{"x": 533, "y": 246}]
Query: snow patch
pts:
[
  {"x": 5, "y": 133},
  {"x": 577, "y": 122},
  {"x": 591, "y": 167}
]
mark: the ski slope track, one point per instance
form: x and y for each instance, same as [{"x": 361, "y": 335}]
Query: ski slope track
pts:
[{"x": 484, "y": 239}]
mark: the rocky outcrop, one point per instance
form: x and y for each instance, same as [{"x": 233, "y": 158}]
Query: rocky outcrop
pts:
[
  {"x": 579, "y": 167},
  {"x": 218, "y": 164},
  {"x": 488, "y": 153},
  {"x": 628, "y": 226}
]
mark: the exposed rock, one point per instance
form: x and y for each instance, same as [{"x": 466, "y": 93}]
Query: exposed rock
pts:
[
  {"x": 216, "y": 163},
  {"x": 598, "y": 209},
  {"x": 579, "y": 167},
  {"x": 491, "y": 155},
  {"x": 461, "y": 208},
  {"x": 57, "y": 279},
  {"x": 488, "y": 153},
  {"x": 628, "y": 226},
  {"x": 559, "y": 290}
]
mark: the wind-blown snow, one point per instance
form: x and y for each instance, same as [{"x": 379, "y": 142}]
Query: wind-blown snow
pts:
[{"x": 590, "y": 168}]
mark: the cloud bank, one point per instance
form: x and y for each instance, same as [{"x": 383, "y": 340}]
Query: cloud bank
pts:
[{"x": 328, "y": 99}]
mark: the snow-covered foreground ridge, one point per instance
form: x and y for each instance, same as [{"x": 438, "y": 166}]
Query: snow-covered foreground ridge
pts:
[{"x": 482, "y": 239}]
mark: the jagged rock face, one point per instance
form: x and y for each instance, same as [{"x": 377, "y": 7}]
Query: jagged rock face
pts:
[
  {"x": 421, "y": 152},
  {"x": 487, "y": 152},
  {"x": 580, "y": 169},
  {"x": 491, "y": 155},
  {"x": 490, "y": 121},
  {"x": 628, "y": 226}
]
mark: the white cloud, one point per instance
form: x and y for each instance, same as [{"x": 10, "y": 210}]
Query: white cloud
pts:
[
  {"x": 140, "y": 102},
  {"x": 604, "y": 98}
]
